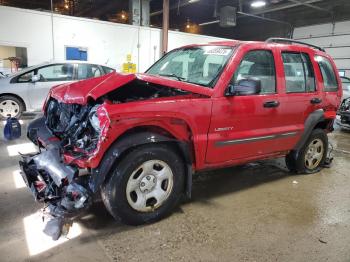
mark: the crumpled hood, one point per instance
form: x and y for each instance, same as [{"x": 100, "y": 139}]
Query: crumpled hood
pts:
[{"x": 80, "y": 92}]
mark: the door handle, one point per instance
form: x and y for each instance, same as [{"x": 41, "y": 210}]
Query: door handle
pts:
[
  {"x": 315, "y": 100},
  {"x": 270, "y": 104}
]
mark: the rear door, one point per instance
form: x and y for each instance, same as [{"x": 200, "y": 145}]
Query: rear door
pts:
[
  {"x": 330, "y": 82},
  {"x": 247, "y": 127},
  {"x": 301, "y": 94}
]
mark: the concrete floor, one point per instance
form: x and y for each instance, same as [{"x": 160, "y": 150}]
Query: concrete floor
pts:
[{"x": 257, "y": 212}]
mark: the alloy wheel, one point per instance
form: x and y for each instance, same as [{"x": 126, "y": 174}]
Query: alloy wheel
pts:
[{"x": 314, "y": 154}]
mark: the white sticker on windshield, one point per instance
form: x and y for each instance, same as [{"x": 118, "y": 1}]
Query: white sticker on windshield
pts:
[{"x": 218, "y": 51}]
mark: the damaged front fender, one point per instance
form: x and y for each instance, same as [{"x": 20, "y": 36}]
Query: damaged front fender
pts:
[{"x": 116, "y": 150}]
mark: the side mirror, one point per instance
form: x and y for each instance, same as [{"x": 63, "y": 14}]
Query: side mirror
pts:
[
  {"x": 244, "y": 87},
  {"x": 35, "y": 78}
]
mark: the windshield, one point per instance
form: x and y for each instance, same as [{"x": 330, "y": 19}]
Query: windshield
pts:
[{"x": 198, "y": 65}]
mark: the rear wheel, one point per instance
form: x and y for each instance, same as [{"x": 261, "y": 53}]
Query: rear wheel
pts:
[
  {"x": 10, "y": 106},
  {"x": 311, "y": 156},
  {"x": 145, "y": 186}
]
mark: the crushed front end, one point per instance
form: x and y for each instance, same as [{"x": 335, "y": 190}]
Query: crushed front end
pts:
[
  {"x": 80, "y": 123},
  {"x": 344, "y": 113},
  {"x": 63, "y": 187}
]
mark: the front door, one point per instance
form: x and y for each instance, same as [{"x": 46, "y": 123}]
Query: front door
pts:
[
  {"x": 49, "y": 76},
  {"x": 247, "y": 127}
]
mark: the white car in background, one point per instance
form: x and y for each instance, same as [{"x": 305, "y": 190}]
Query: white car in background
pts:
[{"x": 26, "y": 90}]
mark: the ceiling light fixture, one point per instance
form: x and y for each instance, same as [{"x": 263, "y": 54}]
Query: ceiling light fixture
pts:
[{"x": 257, "y": 4}]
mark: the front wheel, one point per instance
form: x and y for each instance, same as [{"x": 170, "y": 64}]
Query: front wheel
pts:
[
  {"x": 145, "y": 185},
  {"x": 10, "y": 106},
  {"x": 311, "y": 156}
]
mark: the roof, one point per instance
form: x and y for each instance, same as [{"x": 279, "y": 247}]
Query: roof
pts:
[{"x": 269, "y": 42}]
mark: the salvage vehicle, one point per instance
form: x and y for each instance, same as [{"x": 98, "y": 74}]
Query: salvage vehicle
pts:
[
  {"x": 139, "y": 138},
  {"x": 27, "y": 89},
  {"x": 343, "y": 120}
]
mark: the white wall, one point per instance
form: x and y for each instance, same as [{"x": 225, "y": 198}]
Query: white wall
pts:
[
  {"x": 334, "y": 38},
  {"x": 107, "y": 43}
]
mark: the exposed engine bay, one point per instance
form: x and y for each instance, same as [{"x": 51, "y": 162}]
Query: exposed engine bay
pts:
[
  {"x": 76, "y": 126},
  {"x": 73, "y": 129},
  {"x": 140, "y": 90}
]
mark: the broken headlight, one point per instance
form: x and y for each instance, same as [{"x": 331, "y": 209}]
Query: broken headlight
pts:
[{"x": 94, "y": 120}]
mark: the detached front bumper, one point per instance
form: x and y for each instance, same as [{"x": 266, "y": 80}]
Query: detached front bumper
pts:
[
  {"x": 45, "y": 172},
  {"x": 50, "y": 180}
]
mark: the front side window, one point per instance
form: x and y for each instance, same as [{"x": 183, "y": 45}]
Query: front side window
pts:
[
  {"x": 58, "y": 72},
  {"x": 201, "y": 65},
  {"x": 258, "y": 65},
  {"x": 27, "y": 77},
  {"x": 328, "y": 74},
  {"x": 86, "y": 71},
  {"x": 299, "y": 73}
]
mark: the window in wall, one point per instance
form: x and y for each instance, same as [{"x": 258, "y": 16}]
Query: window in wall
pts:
[
  {"x": 88, "y": 71},
  {"x": 328, "y": 74},
  {"x": 298, "y": 72},
  {"x": 260, "y": 65},
  {"x": 76, "y": 53},
  {"x": 58, "y": 72}
]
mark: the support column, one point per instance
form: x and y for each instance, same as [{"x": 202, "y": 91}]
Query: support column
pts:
[{"x": 165, "y": 27}]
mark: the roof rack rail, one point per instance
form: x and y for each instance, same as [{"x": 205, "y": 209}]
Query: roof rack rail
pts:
[{"x": 288, "y": 40}]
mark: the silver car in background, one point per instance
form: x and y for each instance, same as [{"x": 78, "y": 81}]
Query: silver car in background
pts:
[{"x": 27, "y": 89}]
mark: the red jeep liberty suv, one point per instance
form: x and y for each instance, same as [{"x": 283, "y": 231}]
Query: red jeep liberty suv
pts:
[{"x": 138, "y": 138}]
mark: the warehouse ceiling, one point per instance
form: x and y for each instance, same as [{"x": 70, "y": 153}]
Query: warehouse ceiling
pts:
[{"x": 276, "y": 18}]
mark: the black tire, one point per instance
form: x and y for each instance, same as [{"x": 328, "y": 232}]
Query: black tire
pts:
[
  {"x": 295, "y": 160},
  {"x": 15, "y": 100},
  {"x": 114, "y": 191}
]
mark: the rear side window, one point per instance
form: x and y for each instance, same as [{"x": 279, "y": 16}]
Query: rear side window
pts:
[
  {"x": 328, "y": 74},
  {"x": 299, "y": 73},
  {"x": 86, "y": 71},
  {"x": 260, "y": 65},
  {"x": 107, "y": 69}
]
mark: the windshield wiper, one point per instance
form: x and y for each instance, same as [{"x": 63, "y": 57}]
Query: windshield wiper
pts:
[{"x": 173, "y": 75}]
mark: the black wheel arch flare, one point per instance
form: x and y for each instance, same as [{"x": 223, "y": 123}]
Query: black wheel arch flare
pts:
[{"x": 100, "y": 174}]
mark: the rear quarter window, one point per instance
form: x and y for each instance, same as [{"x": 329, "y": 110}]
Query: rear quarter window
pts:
[
  {"x": 107, "y": 70},
  {"x": 329, "y": 76}
]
